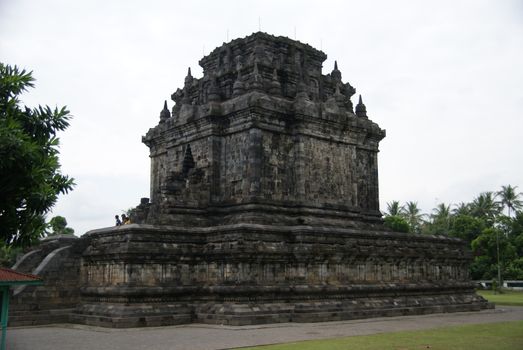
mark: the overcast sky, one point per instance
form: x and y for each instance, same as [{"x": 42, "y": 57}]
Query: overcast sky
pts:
[{"x": 444, "y": 78}]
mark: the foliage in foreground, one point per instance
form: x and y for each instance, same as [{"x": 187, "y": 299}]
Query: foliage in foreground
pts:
[
  {"x": 30, "y": 178},
  {"x": 490, "y": 336},
  {"x": 8, "y": 255}
]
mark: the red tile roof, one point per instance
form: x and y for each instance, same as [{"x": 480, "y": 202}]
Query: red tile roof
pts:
[{"x": 8, "y": 275}]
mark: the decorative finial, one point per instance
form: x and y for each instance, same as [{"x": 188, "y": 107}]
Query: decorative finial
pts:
[
  {"x": 188, "y": 78},
  {"x": 361, "y": 110},
  {"x": 336, "y": 74},
  {"x": 164, "y": 114}
]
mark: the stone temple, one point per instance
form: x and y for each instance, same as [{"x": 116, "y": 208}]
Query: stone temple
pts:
[{"x": 263, "y": 208}]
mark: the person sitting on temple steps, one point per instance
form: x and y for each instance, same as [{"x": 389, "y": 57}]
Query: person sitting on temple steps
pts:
[
  {"x": 118, "y": 222},
  {"x": 125, "y": 220}
]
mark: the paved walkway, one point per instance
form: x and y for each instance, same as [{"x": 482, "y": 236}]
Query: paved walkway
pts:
[{"x": 206, "y": 337}]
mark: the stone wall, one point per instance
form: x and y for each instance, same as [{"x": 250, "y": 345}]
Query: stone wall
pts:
[
  {"x": 256, "y": 254},
  {"x": 138, "y": 275}
]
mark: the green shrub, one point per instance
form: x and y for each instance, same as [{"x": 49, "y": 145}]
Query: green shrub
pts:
[{"x": 396, "y": 223}]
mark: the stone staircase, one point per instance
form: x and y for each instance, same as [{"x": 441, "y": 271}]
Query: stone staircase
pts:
[{"x": 54, "y": 261}]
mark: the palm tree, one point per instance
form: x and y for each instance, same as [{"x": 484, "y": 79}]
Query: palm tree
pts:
[
  {"x": 413, "y": 215},
  {"x": 440, "y": 220},
  {"x": 393, "y": 208},
  {"x": 461, "y": 209},
  {"x": 486, "y": 206},
  {"x": 509, "y": 198},
  {"x": 442, "y": 211}
]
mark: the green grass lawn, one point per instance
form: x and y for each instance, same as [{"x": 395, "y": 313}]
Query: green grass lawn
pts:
[
  {"x": 507, "y": 297},
  {"x": 491, "y": 336}
]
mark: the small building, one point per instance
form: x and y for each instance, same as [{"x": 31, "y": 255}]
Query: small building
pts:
[{"x": 10, "y": 278}]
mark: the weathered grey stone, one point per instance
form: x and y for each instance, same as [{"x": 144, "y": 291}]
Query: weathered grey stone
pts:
[{"x": 263, "y": 208}]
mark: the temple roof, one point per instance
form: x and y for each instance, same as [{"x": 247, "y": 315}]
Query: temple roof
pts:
[
  {"x": 276, "y": 66},
  {"x": 284, "y": 75},
  {"x": 9, "y": 276}
]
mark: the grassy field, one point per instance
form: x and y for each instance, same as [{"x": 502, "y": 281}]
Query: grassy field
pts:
[
  {"x": 505, "y": 298},
  {"x": 492, "y": 336}
]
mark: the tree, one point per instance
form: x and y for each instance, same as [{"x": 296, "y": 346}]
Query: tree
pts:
[
  {"x": 413, "y": 215},
  {"x": 30, "y": 178},
  {"x": 461, "y": 209},
  {"x": 393, "y": 209},
  {"x": 510, "y": 198},
  {"x": 442, "y": 211},
  {"x": 496, "y": 239},
  {"x": 516, "y": 233},
  {"x": 396, "y": 223},
  {"x": 58, "y": 224},
  {"x": 440, "y": 221},
  {"x": 485, "y": 206},
  {"x": 466, "y": 227},
  {"x": 8, "y": 255},
  {"x": 497, "y": 250}
]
